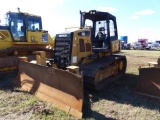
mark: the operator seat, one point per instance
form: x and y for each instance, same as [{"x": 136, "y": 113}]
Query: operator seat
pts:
[
  {"x": 101, "y": 40},
  {"x": 100, "y": 34}
]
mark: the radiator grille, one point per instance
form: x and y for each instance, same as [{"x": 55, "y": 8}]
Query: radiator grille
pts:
[{"x": 62, "y": 51}]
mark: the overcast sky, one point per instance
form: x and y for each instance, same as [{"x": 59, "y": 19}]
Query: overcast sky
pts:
[{"x": 135, "y": 18}]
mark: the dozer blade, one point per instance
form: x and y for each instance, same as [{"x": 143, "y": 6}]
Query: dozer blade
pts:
[
  {"x": 149, "y": 82},
  {"x": 62, "y": 88}
]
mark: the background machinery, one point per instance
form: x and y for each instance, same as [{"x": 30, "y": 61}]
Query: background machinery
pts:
[
  {"x": 149, "y": 82},
  {"x": 22, "y": 36},
  {"x": 81, "y": 57}
]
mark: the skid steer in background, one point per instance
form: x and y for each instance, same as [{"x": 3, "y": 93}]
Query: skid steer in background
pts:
[
  {"x": 22, "y": 36},
  {"x": 81, "y": 57}
]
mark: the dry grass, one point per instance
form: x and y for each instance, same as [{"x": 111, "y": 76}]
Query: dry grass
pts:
[{"x": 116, "y": 101}]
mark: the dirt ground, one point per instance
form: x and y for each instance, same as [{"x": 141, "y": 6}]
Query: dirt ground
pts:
[{"x": 117, "y": 101}]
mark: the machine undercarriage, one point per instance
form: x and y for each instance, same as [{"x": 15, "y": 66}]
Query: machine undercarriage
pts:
[{"x": 103, "y": 71}]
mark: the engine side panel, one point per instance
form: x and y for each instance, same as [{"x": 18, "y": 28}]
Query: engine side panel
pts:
[
  {"x": 11, "y": 50},
  {"x": 5, "y": 39},
  {"x": 82, "y": 46},
  {"x": 71, "y": 47},
  {"x": 115, "y": 46},
  {"x": 39, "y": 37}
]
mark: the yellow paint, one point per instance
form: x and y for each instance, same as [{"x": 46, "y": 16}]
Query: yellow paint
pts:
[
  {"x": 36, "y": 38},
  {"x": 116, "y": 46},
  {"x": 77, "y": 55},
  {"x": 101, "y": 54},
  {"x": 54, "y": 65},
  {"x": 120, "y": 65},
  {"x": 5, "y": 39},
  {"x": 41, "y": 57},
  {"x": 85, "y": 61},
  {"x": 8, "y": 68},
  {"x": 76, "y": 46}
]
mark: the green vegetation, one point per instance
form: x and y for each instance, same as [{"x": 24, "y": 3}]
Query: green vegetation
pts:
[
  {"x": 144, "y": 53},
  {"x": 116, "y": 101}
]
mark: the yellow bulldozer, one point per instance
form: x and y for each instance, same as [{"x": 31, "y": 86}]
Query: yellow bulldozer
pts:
[
  {"x": 22, "y": 36},
  {"x": 82, "y": 58}
]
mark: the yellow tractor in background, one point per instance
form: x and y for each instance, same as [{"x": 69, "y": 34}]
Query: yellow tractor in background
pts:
[
  {"x": 83, "y": 57},
  {"x": 22, "y": 36}
]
